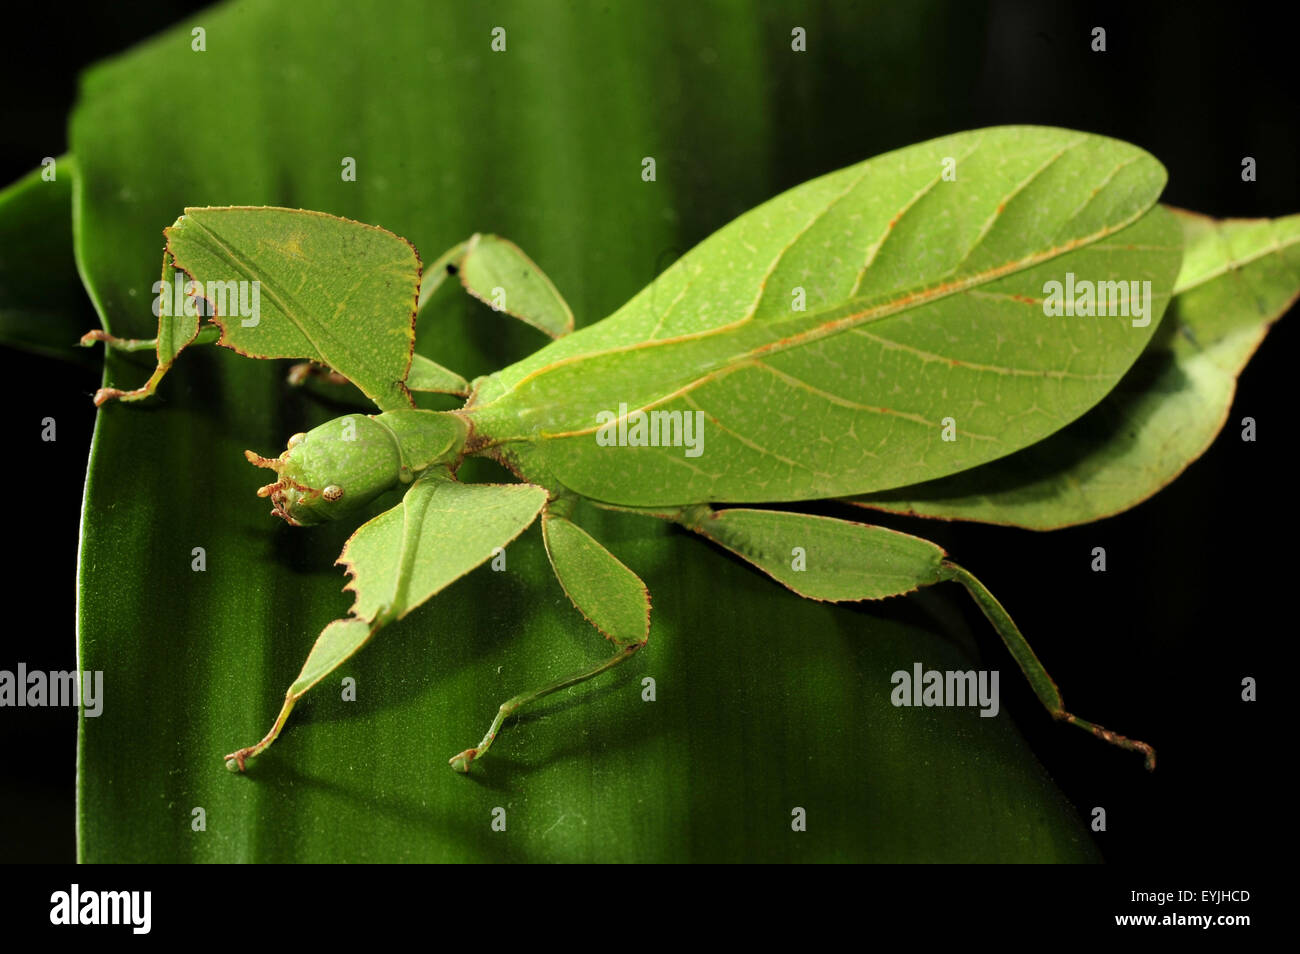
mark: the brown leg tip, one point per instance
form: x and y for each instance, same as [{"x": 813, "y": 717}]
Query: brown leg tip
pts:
[{"x": 461, "y": 762}]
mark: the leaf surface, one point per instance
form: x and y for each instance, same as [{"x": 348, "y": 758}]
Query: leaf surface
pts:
[{"x": 1238, "y": 276}]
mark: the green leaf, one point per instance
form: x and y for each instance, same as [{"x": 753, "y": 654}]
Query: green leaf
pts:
[
  {"x": 937, "y": 286},
  {"x": 1238, "y": 276},
  {"x": 765, "y": 701},
  {"x": 609, "y": 595}
]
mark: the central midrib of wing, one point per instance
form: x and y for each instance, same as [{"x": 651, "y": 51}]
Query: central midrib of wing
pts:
[{"x": 773, "y": 337}]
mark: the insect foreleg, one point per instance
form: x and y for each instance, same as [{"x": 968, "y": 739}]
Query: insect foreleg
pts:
[
  {"x": 207, "y": 334},
  {"x": 337, "y": 643},
  {"x": 118, "y": 344},
  {"x": 440, "y": 531}
]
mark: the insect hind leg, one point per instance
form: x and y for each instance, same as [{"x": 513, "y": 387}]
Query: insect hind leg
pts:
[{"x": 461, "y": 762}]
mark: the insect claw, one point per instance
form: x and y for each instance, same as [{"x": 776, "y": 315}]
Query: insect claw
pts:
[
  {"x": 298, "y": 374},
  {"x": 258, "y": 460},
  {"x": 235, "y": 760},
  {"x": 277, "y": 512},
  {"x": 461, "y": 762},
  {"x": 104, "y": 395}
]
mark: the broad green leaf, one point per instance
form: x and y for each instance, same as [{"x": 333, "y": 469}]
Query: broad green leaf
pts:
[
  {"x": 822, "y": 558},
  {"x": 1238, "y": 276},
  {"x": 497, "y": 272},
  {"x": 609, "y": 595},
  {"x": 825, "y": 338},
  {"x": 42, "y": 302},
  {"x": 784, "y": 700},
  {"x": 331, "y": 290}
]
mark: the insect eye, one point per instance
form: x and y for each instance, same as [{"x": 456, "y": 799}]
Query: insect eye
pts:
[
  {"x": 332, "y": 493},
  {"x": 296, "y": 440}
]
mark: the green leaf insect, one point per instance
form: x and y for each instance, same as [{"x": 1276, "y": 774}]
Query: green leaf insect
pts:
[{"x": 1001, "y": 325}]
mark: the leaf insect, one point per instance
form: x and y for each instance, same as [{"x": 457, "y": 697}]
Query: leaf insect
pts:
[{"x": 935, "y": 365}]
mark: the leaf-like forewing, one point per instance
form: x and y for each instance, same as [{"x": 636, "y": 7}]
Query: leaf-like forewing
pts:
[
  {"x": 827, "y": 337},
  {"x": 1238, "y": 276}
]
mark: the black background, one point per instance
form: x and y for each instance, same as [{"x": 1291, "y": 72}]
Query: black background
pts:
[{"x": 1195, "y": 594}]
